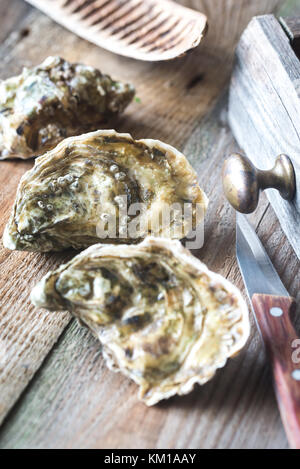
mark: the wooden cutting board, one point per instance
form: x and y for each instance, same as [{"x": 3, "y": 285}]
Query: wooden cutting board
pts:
[{"x": 55, "y": 390}]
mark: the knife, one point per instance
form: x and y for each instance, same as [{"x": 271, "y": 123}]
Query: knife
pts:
[{"x": 272, "y": 306}]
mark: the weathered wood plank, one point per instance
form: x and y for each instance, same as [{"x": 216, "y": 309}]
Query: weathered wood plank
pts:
[
  {"x": 291, "y": 25},
  {"x": 264, "y": 108},
  {"x": 288, "y": 12},
  {"x": 26, "y": 336},
  {"x": 75, "y": 402}
]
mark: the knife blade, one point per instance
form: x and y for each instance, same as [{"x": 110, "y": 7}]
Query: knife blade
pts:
[
  {"x": 272, "y": 305},
  {"x": 252, "y": 257}
]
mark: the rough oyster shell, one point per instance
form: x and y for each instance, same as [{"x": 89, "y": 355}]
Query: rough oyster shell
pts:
[
  {"x": 163, "y": 318},
  {"x": 65, "y": 197},
  {"x": 54, "y": 100}
]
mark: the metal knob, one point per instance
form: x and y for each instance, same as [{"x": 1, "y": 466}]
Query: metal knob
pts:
[{"x": 242, "y": 181}]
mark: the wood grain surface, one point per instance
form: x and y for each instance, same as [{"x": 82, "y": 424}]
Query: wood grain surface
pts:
[
  {"x": 264, "y": 108},
  {"x": 63, "y": 394},
  {"x": 292, "y": 27}
]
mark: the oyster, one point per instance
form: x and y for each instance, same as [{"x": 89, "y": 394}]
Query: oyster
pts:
[
  {"x": 103, "y": 186},
  {"x": 54, "y": 100},
  {"x": 163, "y": 319}
]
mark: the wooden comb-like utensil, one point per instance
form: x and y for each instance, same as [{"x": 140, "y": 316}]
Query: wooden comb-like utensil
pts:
[{"x": 150, "y": 30}]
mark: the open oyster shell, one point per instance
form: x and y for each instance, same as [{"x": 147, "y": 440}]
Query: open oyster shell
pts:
[
  {"x": 54, "y": 100},
  {"x": 163, "y": 319},
  {"x": 104, "y": 186}
]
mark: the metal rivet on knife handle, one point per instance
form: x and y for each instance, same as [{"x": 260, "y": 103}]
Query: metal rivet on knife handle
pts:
[{"x": 242, "y": 181}]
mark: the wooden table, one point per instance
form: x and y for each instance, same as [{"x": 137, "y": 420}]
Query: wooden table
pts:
[{"x": 55, "y": 391}]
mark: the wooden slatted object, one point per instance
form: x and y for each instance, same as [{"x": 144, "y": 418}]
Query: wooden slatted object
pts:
[
  {"x": 74, "y": 401},
  {"x": 151, "y": 30},
  {"x": 264, "y": 105}
]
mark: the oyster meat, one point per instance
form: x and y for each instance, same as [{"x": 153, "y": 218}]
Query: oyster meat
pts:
[
  {"x": 104, "y": 186},
  {"x": 163, "y": 319},
  {"x": 52, "y": 101}
]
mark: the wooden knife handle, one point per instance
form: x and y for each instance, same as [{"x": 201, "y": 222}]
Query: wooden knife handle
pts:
[{"x": 283, "y": 348}]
